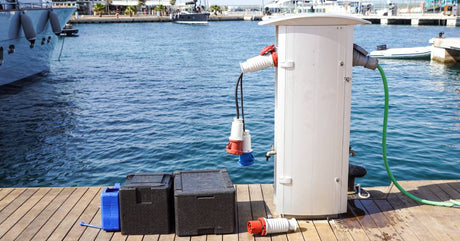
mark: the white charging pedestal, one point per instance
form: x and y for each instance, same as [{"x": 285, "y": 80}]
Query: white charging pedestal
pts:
[{"x": 312, "y": 113}]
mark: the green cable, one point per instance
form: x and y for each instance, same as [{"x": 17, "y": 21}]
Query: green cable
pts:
[{"x": 384, "y": 151}]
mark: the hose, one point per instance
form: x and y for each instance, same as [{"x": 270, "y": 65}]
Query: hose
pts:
[{"x": 384, "y": 153}]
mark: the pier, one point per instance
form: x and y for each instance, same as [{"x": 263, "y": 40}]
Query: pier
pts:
[
  {"x": 54, "y": 213},
  {"x": 154, "y": 18},
  {"x": 446, "y": 50},
  {"x": 402, "y": 19},
  {"x": 413, "y": 19}
]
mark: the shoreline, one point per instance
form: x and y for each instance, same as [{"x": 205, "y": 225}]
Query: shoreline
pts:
[
  {"x": 403, "y": 19},
  {"x": 154, "y": 18}
]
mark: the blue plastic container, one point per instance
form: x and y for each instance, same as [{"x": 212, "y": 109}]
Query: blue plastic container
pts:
[{"x": 110, "y": 210}]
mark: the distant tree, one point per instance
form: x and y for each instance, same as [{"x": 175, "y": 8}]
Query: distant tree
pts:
[
  {"x": 130, "y": 10},
  {"x": 109, "y": 2},
  {"x": 215, "y": 8},
  {"x": 141, "y": 3},
  {"x": 99, "y": 8},
  {"x": 172, "y": 2},
  {"x": 160, "y": 8}
]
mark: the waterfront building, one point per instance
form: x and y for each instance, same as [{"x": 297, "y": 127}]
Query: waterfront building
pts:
[
  {"x": 145, "y": 7},
  {"x": 84, "y": 7}
]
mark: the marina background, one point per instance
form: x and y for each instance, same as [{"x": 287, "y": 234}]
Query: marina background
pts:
[{"x": 146, "y": 97}]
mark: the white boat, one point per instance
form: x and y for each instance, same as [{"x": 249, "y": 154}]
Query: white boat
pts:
[
  {"x": 190, "y": 17},
  {"x": 402, "y": 53},
  {"x": 28, "y": 34},
  {"x": 191, "y": 13},
  {"x": 302, "y": 6}
]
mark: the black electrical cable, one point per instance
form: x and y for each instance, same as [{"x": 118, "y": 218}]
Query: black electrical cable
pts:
[
  {"x": 242, "y": 107},
  {"x": 236, "y": 95},
  {"x": 239, "y": 83}
]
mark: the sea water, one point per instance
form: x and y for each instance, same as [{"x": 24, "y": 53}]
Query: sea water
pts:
[{"x": 159, "y": 97}]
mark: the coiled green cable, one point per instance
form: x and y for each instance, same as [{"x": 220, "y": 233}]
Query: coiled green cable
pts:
[{"x": 384, "y": 152}]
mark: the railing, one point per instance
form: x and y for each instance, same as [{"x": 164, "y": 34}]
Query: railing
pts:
[{"x": 24, "y": 4}]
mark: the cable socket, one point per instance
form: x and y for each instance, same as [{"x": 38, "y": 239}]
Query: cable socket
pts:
[{"x": 361, "y": 58}]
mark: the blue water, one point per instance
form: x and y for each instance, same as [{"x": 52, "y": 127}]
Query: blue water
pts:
[{"x": 155, "y": 97}]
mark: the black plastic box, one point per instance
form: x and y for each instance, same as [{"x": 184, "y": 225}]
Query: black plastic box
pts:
[
  {"x": 204, "y": 202},
  {"x": 146, "y": 204}
]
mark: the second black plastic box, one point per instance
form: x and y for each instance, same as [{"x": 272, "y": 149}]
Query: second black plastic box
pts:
[
  {"x": 204, "y": 202},
  {"x": 146, "y": 205}
]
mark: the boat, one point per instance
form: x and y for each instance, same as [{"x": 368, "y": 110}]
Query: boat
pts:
[
  {"x": 191, "y": 13},
  {"x": 283, "y": 7},
  {"x": 69, "y": 31},
  {"x": 28, "y": 35},
  {"x": 402, "y": 53}
]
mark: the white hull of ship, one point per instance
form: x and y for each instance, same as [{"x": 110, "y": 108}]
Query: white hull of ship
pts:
[{"x": 25, "y": 61}]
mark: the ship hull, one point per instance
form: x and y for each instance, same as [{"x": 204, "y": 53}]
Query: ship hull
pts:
[{"x": 18, "y": 59}]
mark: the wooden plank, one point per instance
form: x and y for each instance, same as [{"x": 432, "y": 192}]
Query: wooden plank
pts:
[
  {"x": 4, "y": 192},
  {"x": 382, "y": 222},
  {"x": 441, "y": 217},
  {"x": 415, "y": 223},
  {"x": 308, "y": 230},
  {"x": 152, "y": 237},
  {"x": 340, "y": 233},
  {"x": 257, "y": 208},
  {"x": 29, "y": 232},
  {"x": 31, "y": 214},
  {"x": 297, "y": 235},
  {"x": 117, "y": 236},
  {"x": 455, "y": 185},
  {"x": 198, "y": 238},
  {"x": 348, "y": 222},
  {"x": 268, "y": 194},
  {"x": 91, "y": 233},
  {"x": 396, "y": 221},
  {"x": 244, "y": 212},
  {"x": 324, "y": 230},
  {"x": 270, "y": 208},
  {"x": 18, "y": 201},
  {"x": 87, "y": 216},
  {"x": 72, "y": 217},
  {"x": 451, "y": 192},
  {"x": 230, "y": 237},
  {"x": 183, "y": 238},
  {"x": 22, "y": 210},
  {"x": 104, "y": 235},
  {"x": 167, "y": 237},
  {"x": 422, "y": 213},
  {"x": 233, "y": 236},
  {"x": 47, "y": 229},
  {"x": 210, "y": 237},
  {"x": 10, "y": 197},
  {"x": 370, "y": 228},
  {"x": 135, "y": 238}
]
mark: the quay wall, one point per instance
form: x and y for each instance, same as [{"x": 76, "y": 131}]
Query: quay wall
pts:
[
  {"x": 152, "y": 18},
  {"x": 407, "y": 19}
]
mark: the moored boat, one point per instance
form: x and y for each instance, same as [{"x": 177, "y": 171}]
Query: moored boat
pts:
[
  {"x": 28, "y": 34},
  {"x": 402, "y": 53},
  {"x": 191, "y": 14}
]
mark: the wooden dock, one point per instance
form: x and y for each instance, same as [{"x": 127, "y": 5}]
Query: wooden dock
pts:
[{"x": 54, "y": 213}]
